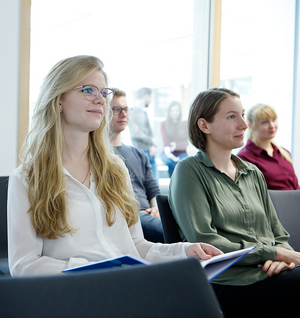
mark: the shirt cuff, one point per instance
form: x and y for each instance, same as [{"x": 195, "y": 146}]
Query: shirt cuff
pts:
[{"x": 269, "y": 253}]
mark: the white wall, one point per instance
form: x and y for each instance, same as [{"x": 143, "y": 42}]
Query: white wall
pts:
[
  {"x": 10, "y": 13},
  {"x": 296, "y": 114}
]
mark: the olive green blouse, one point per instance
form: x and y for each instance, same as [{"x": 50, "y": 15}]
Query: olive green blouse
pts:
[{"x": 210, "y": 207}]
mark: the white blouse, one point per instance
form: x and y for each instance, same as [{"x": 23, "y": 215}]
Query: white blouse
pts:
[{"x": 93, "y": 240}]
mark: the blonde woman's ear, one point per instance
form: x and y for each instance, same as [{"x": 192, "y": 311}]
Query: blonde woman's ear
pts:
[{"x": 202, "y": 124}]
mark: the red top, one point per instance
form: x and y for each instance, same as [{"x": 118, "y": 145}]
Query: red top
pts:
[
  {"x": 181, "y": 140},
  {"x": 278, "y": 172}
]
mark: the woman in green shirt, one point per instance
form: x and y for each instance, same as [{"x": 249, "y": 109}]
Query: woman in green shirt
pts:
[{"x": 219, "y": 199}]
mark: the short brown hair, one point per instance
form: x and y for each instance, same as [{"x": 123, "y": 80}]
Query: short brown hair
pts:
[
  {"x": 118, "y": 92},
  {"x": 205, "y": 106}
]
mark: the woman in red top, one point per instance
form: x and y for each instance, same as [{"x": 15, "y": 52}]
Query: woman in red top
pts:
[
  {"x": 175, "y": 137},
  {"x": 274, "y": 161}
]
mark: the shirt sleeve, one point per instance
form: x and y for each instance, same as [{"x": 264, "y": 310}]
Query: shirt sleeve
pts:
[
  {"x": 295, "y": 180},
  {"x": 150, "y": 184},
  {"x": 188, "y": 198},
  {"x": 156, "y": 252},
  {"x": 294, "y": 177}
]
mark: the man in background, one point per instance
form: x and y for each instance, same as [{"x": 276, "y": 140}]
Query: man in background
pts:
[
  {"x": 137, "y": 163},
  {"x": 140, "y": 129}
]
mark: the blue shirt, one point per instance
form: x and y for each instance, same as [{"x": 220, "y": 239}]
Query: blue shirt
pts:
[{"x": 139, "y": 167}]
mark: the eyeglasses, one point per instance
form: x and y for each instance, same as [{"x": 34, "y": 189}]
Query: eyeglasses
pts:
[
  {"x": 91, "y": 92},
  {"x": 118, "y": 110}
]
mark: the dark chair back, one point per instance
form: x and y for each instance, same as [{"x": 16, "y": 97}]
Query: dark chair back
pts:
[
  {"x": 3, "y": 226},
  {"x": 287, "y": 206},
  {"x": 173, "y": 289},
  {"x": 170, "y": 226},
  {"x": 3, "y": 216}
]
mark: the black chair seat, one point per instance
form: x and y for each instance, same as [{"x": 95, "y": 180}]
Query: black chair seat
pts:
[{"x": 174, "y": 289}]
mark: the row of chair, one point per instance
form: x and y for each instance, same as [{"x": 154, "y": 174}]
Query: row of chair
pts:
[{"x": 174, "y": 289}]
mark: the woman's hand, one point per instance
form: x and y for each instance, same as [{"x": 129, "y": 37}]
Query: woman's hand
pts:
[
  {"x": 284, "y": 259},
  {"x": 288, "y": 256},
  {"x": 169, "y": 154},
  {"x": 275, "y": 267},
  {"x": 172, "y": 146},
  {"x": 202, "y": 250},
  {"x": 153, "y": 211}
]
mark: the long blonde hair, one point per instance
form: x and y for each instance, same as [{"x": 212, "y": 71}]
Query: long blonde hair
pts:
[
  {"x": 262, "y": 112},
  {"x": 43, "y": 149}
]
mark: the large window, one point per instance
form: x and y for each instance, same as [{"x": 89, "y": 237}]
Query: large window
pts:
[
  {"x": 158, "y": 44},
  {"x": 257, "y": 56},
  {"x": 142, "y": 44}
]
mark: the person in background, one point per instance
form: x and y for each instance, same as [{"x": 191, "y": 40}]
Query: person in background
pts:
[
  {"x": 175, "y": 137},
  {"x": 140, "y": 129},
  {"x": 274, "y": 162},
  {"x": 71, "y": 202},
  {"x": 139, "y": 168},
  {"x": 218, "y": 198}
]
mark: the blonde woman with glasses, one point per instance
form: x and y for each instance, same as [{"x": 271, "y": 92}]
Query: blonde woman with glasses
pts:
[{"x": 71, "y": 202}]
